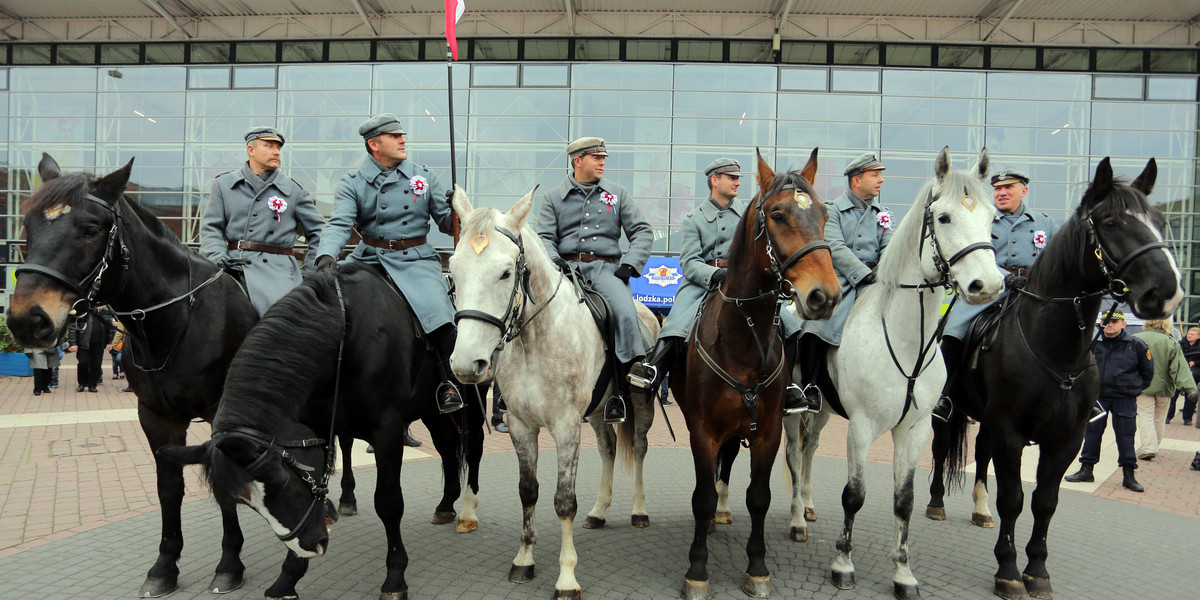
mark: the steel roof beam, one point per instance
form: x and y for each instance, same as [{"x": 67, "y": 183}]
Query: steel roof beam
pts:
[
  {"x": 1012, "y": 9},
  {"x": 569, "y": 6},
  {"x": 362, "y": 13},
  {"x": 168, "y": 16}
]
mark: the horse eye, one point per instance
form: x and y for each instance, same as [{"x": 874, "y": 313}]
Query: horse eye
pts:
[
  {"x": 91, "y": 231},
  {"x": 506, "y": 275},
  {"x": 777, "y": 217},
  {"x": 1109, "y": 224},
  {"x": 943, "y": 219}
]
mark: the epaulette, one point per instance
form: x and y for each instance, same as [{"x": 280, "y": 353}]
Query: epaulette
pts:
[
  {"x": 352, "y": 174},
  {"x": 225, "y": 172}
]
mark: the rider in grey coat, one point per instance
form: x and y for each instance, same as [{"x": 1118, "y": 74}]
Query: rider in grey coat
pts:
[
  {"x": 251, "y": 220},
  {"x": 391, "y": 200},
  {"x": 580, "y": 222},
  {"x": 858, "y": 230}
]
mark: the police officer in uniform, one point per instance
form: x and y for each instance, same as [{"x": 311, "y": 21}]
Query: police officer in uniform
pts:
[
  {"x": 708, "y": 230},
  {"x": 580, "y": 221},
  {"x": 858, "y": 230},
  {"x": 391, "y": 200},
  {"x": 252, "y": 217}
]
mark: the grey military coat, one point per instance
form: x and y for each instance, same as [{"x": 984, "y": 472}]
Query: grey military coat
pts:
[
  {"x": 1018, "y": 239},
  {"x": 855, "y": 237},
  {"x": 239, "y": 209},
  {"x": 570, "y": 223},
  {"x": 395, "y": 205}
]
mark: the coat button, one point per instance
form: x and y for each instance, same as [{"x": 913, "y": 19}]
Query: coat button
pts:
[
  {"x": 254, "y": 214},
  {"x": 407, "y": 191},
  {"x": 383, "y": 206},
  {"x": 593, "y": 238},
  {"x": 722, "y": 229},
  {"x": 404, "y": 222},
  {"x": 585, "y": 227}
]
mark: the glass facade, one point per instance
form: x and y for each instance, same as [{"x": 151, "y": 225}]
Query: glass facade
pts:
[{"x": 663, "y": 122}]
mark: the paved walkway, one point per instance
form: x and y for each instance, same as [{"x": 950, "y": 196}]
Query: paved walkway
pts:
[{"x": 78, "y": 517}]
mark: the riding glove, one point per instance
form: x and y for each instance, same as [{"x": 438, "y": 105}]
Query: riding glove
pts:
[
  {"x": 326, "y": 263},
  {"x": 718, "y": 277},
  {"x": 562, "y": 264},
  {"x": 867, "y": 279},
  {"x": 232, "y": 264},
  {"x": 625, "y": 272}
]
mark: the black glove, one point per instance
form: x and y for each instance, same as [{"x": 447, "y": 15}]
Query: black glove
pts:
[
  {"x": 625, "y": 273},
  {"x": 718, "y": 277},
  {"x": 326, "y": 262},
  {"x": 232, "y": 264},
  {"x": 562, "y": 264},
  {"x": 1192, "y": 396},
  {"x": 1015, "y": 282},
  {"x": 867, "y": 279}
]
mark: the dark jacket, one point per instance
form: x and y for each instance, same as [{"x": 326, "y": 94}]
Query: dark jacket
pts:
[
  {"x": 97, "y": 333},
  {"x": 1125, "y": 365},
  {"x": 1191, "y": 353}
]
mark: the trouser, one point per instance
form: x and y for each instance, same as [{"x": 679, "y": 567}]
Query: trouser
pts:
[
  {"x": 1151, "y": 422},
  {"x": 91, "y": 366},
  {"x": 1189, "y": 407},
  {"x": 811, "y": 356},
  {"x": 116, "y": 359},
  {"x": 497, "y": 415},
  {"x": 41, "y": 380},
  {"x": 1124, "y": 418}
]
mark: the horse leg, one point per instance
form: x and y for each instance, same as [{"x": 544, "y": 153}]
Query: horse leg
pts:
[
  {"x": 758, "y": 499},
  {"x": 643, "y": 419},
  {"x": 908, "y": 442},
  {"x": 812, "y": 440},
  {"x": 468, "y": 521},
  {"x": 230, "y": 571},
  {"x": 389, "y": 505},
  {"x": 525, "y": 443},
  {"x": 982, "y": 515},
  {"x": 163, "y": 577},
  {"x": 347, "y": 504},
  {"x": 858, "y": 441},
  {"x": 284, "y": 587},
  {"x": 704, "y": 504},
  {"x": 606, "y": 445},
  {"x": 447, "y": 441},
  {"x": 936, "y": 509},
  {"x": 1055, "y": 459},
  {"x": 725, "y": 457},
  {"x": 1006, "y": 452},
  {"x": 566, "y": 439}
]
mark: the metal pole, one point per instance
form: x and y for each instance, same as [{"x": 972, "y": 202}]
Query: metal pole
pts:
[{"x": 453, "y": 161}]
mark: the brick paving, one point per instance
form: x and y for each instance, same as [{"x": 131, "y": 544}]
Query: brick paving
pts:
[{"x": 70, "y": 493}]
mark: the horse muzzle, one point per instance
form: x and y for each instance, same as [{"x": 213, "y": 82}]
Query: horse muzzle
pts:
[
  {"x": 36, "y": 322},
  {"x": 818, "y": 304},
  {"x": 470, "y": 371}
]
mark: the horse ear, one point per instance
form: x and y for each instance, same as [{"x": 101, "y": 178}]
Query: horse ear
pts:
[
  {"x": 1145, "y": 182},
  {"x": 516, "y": 215},
  {"x": 983, "y": 165},
  {"x": 112, "y": 186},
  {"x": 460, "y": 202},
  {"x": 809, "y": 172},
  {"x": 765, "y": 175},
  {"x": 941, "y": 166},
  {"x": 1101, "y": 183},
  {"x": 48, "y": 168},
  {"x": 185, "y": 455}
]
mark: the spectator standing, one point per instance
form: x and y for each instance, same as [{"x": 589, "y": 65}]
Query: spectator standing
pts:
[
  {"x": 89, "y": 337},
  {"x": 1191, "y": 354},
  {"x": 1170, "y": 375}
]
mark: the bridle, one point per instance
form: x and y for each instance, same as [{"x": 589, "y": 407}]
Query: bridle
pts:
[{"x": 778, "y": 268}]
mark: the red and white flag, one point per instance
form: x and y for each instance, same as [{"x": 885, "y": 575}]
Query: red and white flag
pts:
[{"x": 454, "y": 12}]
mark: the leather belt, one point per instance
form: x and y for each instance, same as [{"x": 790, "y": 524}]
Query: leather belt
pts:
[
  {"x": 1018, "y": 271},
  {"x": 588, "y": 257},
  {"x": 718, "y": 262},
  {"x": 393, "y": 244},
  {"x": 259, "y": 247}
]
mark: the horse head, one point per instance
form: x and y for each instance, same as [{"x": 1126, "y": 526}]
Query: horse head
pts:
[
  {"x": 1126, "y": 230},
  {"x": 789, "y": 219},
  {"x": 71, "y": 227}
]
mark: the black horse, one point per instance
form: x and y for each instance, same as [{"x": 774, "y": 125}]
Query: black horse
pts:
[
  {"x": 1036, "y": 381},
  {"x": 339, "y": 353}
]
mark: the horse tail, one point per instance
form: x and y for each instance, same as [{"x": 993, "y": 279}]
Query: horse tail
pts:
[
  {"x": 625, "y": 433},
  {"x": 955, "y": 461}
]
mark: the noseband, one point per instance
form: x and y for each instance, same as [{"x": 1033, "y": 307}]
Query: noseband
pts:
[
  {"x": 778, "y": 268},
  {"x": 940, "y": 262},
  {"x": 1112, "y": 269}
]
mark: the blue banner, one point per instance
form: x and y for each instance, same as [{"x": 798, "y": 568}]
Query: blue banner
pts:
[{"x": 658, "y": 282}]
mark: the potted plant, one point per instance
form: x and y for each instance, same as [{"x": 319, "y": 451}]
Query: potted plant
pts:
[{"x": 12, "y": 356}]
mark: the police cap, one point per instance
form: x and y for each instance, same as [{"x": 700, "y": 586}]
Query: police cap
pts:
[
  {"x": 1009, "y": 176},
  {"x": 866, "y": 162},
  {"x": 262, "y": 132},
  {"x": 380, "y": 124},
  {"x": 585, "y": 146},
  {"x": 723, "y": 166}
]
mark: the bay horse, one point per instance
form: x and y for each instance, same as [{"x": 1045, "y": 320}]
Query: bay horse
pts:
[
  {"x": 733, "y": 385},
  {"x": 90, "y": 244},
  {"x": 1036, "y": 381},
  {"x": 340, "y": 353},
  {"x": 888, "y": 372},
  {"x": 520, "y": 320}
]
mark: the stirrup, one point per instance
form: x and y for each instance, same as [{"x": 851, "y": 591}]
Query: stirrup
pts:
[
  {"x": 790, "y": 394},
  {"x": 814, "y": 397},
  {"x": 615, "y": 410},
  {"x": 642, "y": 375},
  {"x": 448, "y": 398},
  {"x": 1098, "y": 413},
  {"x": 943, "y": 409}
]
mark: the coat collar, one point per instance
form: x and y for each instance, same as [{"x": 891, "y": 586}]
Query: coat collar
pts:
[
  {"x": 710, "y": 211},
  {"x": 844, "y": 203},
  {"x": 1021, "y": 214},
  {"x": 566, "y": 187},
  {"x": 370, "y": 169},
  {"x": 282, "y": 182}
]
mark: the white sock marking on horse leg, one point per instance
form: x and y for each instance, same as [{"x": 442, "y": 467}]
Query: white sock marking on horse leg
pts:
[
  {"x": 980, "y": 495},
  {"x": 567, "y": 558}
]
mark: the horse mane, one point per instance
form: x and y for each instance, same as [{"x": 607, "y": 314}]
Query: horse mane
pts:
[{"x": 485, "y": 220}]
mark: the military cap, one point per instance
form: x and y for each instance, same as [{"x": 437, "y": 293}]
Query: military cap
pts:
[
  {"x": 1008, "y": 176},
  {"x": 587, "y": 145},
  {"x": 262, "y": 132},
  {"x": 380, "y": 124},
  {"x": 1116, "y": 316},
  {"x": 723, "y": 166},
  {"x": 866, "y": 162}
]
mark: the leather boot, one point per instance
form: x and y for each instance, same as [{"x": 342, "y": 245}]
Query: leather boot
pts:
[
  {"x": 447, "y": 396},
  {"x": 952, "y": 350},
  {"x": 647, "y": 374},
  {"x": 1097, "y": 413},
  {"x": 409, "y": 440},
  {"x": 615, "y": 410},
  {"x": 943, "y": 409},
  {"x": 1129, "y": 482},
  {"x": 806, "y": 397},
  {"x": 1083, "y": 475}
]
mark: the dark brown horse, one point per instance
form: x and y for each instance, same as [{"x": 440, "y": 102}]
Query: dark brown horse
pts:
[{"x": 735, "y": 376}]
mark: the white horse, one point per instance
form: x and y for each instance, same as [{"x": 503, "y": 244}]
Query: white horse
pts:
[
  {"x": 511, "y": 298},
  {"x": 889, "y": 372}
]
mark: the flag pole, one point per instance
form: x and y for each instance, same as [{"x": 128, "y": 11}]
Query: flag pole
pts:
[{"x": 454, "y": 225}]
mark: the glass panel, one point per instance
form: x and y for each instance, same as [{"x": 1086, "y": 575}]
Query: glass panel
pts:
[
  {"x": 546, "y": 49},
  {"x": 434, "y": 50},
  {"x": 320, "y": 165},
  {"x": 930, "y": 137},
  {"x": 229, "y": 114},
  {"x": 145, "y": 79},
  {"x": 141, "y": 117},
  {"x": 622, "y": 77},
  {"x": 210, "y": 53},
  {"x": 330, "y": 115},
  {"x": 816, "y": 80},
  {"x": 1166, "y": 61},
  {"x": 494, "y": 75},
  {"x": 909, "y": 56},
  {"x": 208, "y": 78},
  {"x": 1039, "y": 86},
  {"x": 633, "y": 116},
  {"x": 741, "y": 78},
  {"x": 31, "y": 54},
  {"x": 856, "y": 54},
  {"x": 545, "y": 76},
  {"x": 3, "y": 53},
  {"x": 164, "y": 53},
  {"x": 701, "y": 50},
  {"x": 727, "y": 119},
  {"x": 1159, "y": 129},
  {"x": 407, "y": 50},
  {"x": 417, "y": 94},
  {"x": 597, "y": 49},
  {"x": 1014, "y": 58},
  {"x": 751, "y": 52},
  {"x": 1062, "y": 141},
  {"x": 845, "y": 80},
  {"x": 647, "y": 50},
  {"x": 301, "y": 52},
  {"x": 1124, "y": 88},
  {"x": 518, "y": 116},
  {"x": 52, "y": 117},
  {"x": 492, "y": 50},
  {"x": 934, "y": 110},
  {"x": 120, "y": 54},
  {"x": 156, "y": 167},
  {"x": 251, "y": 52},
  {"x": 928, "y": 83},
  {"x": 805, "y": 53},
  {"x": 1118, "y": 60},
  {"x": 3, "y": 86},
  {"x": 325, "y": 77},
  {"x": 254, "y": 77},
  {"x": 1065, "y": 59},
  {"x": 56, "y": 79},
  {"x": 970, "y": 57},
  {"x": 76, "y": 55},
  {"x": 1172, "y": 88},
  {"x": 350, "y": 51}
]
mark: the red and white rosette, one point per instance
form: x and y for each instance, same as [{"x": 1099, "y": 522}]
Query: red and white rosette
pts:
[
  {"x": 884, "y": 219},
  {"x": 1039, "y": 239},
  {"x": 609, "y": 201},
  {"x": 277, "y": 204},
  {"x": 419, "y": 186}
]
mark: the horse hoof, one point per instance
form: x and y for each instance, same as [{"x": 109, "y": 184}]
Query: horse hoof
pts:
[
  {"x": 1038, "y": 587},
  {"x": 347, "y": 509},
  {"x": 567, "y": 594},
  {"x": 984, "y": 521},
  {"x": 520, "y": 573},
  {"x": 593, "y": 523},
  {"x": 905, "y": 591},
  {"x": 799, "y": 534},
  {"x": 757, "y": 587},
  {"x": 466, "y": 526},
  {"x": 810, "y": 515},
  {"x": 1010, "y": 589},
  {"x": 155, "y": 587},
  {"x": 640, "y": 520},
  {"x": 937, "y": 513},
  {"x": 442, "y": 517},
  {"x": 393, "y": 595},
  {"x": 223, "y": 583},
  {"x": 843, "y": 580},
  {"x": 268, "y": 596},
  {"x": 723, "y": 517},
  {"x": 696, "y": 590}
]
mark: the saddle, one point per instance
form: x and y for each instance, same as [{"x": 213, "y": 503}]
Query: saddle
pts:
[
  {"x": 603, "y": 316},
  {"x": 982, "y": 332}
]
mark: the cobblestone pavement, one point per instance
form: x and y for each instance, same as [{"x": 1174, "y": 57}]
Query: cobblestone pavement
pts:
[{"x": 79, "y": 519}]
